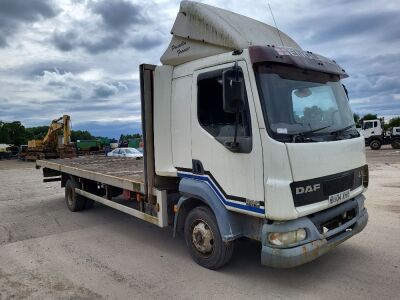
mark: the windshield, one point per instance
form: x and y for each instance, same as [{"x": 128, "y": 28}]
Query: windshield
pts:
[{"x": 306, "y": 104}]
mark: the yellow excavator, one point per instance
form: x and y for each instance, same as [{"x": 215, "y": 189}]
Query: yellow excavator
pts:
[{"x": 56, "y": 143}]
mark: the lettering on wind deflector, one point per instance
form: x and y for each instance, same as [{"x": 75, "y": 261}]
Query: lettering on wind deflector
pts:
[{"x": 180, "y": 48}]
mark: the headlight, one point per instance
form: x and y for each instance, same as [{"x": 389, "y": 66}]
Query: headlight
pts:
[
  {"x": 287, "y": 238},
  {"x": 365, "y": 176}
]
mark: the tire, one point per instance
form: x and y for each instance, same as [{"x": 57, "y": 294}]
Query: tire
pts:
[
  {"x": 74, "y": 201},
  {"x": 204, "y": 241},
  {"x": 396, "y": 144},
  {"x": 375, "y": 144}
]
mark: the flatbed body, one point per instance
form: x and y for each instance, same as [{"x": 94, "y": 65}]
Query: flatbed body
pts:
[
  {"x": 125, "y": 173},
  {"x": 117, "y": 173}
]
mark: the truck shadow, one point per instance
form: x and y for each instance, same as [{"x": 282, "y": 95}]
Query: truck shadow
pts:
[{"x": 245, "y": 262}]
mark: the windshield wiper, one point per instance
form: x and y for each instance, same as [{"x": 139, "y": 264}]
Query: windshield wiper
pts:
[
  {"x": 342, "y": 130},
  {"x": 314, "y": 130},
  {"x": 304, "y": 134},
  {"x": 337, "y": 132}
]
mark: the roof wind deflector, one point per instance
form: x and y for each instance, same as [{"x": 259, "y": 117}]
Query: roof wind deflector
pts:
[{"x": 202, "y": 30}]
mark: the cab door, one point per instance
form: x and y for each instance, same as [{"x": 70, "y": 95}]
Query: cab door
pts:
[
  {"x": 368, "y": 129},
  {"x": 235, "y": 175}
]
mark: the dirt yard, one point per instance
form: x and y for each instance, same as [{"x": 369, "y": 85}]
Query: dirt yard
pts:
[{"x": 47, "y": 251}]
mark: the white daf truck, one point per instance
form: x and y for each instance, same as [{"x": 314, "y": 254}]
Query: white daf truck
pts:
[{"x": 245, "y": 135}]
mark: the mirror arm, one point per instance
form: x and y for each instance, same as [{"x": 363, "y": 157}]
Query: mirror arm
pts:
[
  {"x": 236, "y": 125},
  {"x": 234, "y": 146}
]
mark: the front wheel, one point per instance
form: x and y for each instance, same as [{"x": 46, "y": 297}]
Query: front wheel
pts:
[
  {"x": 204, "y": 240},
  {"x": 375, "y": 144}
]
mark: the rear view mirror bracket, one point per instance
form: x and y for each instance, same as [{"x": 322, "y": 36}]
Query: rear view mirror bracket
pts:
[{"x": 233, "y": 99}]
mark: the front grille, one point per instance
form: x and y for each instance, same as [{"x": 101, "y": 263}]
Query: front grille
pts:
[
  {"x": 319, "y": 189},
  {"x": 337, "y": 185}
]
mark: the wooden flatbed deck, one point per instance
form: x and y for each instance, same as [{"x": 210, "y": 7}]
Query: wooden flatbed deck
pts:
[{"x": 123, "y": 172}]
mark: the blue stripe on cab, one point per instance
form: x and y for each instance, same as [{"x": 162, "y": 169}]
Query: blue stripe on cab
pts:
[{"x": 219, "y": 194}]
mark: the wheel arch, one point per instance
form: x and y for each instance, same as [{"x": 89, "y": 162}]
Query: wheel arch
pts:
[{"x": 196, "y": 193}]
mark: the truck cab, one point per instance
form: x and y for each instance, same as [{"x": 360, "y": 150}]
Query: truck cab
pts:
[
  {"x": 261, "y": 134},
  {"x": 372, "y": 131}
]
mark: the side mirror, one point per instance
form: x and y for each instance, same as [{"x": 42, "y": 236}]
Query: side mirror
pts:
[{"x": 233, "y": 90}]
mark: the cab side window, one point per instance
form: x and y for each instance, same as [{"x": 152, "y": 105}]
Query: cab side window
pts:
[
  {"x": 368, "y": 125},
  {"x": 210, "y": 111}
]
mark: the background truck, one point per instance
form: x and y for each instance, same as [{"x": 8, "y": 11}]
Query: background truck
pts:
[
  {"x": 245, "y": 135},
  {"x": 375, "y": 135},
  {"x": 395, "y": 132}
]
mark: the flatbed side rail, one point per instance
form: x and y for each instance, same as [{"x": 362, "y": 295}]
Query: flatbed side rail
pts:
[
  {"x": 120, "y": 207},
  {"x": 122, "y": 183},
  {"x": 161, "y": 220}
]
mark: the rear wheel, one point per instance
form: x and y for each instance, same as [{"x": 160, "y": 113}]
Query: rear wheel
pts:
[
  {"x": 74, "y": 201},
  {"x": 396, "y": 144},
  {"x": 204, "y": 240},
  {"x": 375, "y": 144}
]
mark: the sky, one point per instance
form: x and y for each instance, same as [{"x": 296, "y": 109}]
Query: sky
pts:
[{"x": 81, "y": 57}]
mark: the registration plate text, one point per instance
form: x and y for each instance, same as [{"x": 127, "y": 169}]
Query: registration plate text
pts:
[{"x": 339, "y": 197}]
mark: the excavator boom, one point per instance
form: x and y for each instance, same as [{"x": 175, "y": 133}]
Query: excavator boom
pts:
[{"x": 49, "y": 146}]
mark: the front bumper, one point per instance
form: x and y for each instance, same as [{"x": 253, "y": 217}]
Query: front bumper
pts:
[{"x": 316, "y": 243}]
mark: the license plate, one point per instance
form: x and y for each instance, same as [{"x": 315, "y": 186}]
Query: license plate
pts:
[{"x": 339, "y": 197}]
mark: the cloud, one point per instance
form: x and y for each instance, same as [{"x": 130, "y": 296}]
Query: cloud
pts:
[
  {"x": 81, "y": 57},
  {"x": 110, "y": 25},
  {"x": 27, "y": 11},
  {"x": 14, "y": 13},
  {"x": 379, "y": 23},
  {"x": 118, "y": 14},
  {"x": 65, "y": 41},
  {"x": 37, "y": 68},
  {"x": 70, "y": 86},
  {"x": 93, "y": 43},
  {"x": 104, "y": 90},
  {"x": 147, "y": 41},
  {"x": 102, "y": 44}
]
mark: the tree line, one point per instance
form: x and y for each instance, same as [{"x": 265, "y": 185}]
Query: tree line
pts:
[
  {"x": 15, "y": 133},
  {"x": 128, "y": 137}
]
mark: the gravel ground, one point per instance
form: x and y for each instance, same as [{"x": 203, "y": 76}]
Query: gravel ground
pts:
[{"x": 48, "y": 252}]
